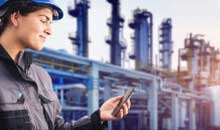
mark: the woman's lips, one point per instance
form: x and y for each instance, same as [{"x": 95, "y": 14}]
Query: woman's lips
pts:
[{"x": 43, "y": 38}]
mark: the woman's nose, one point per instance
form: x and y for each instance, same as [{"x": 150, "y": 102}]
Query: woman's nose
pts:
[{"x": 48, "y": 30}]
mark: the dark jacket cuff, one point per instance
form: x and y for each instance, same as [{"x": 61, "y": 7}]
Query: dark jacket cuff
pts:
[{"x": 96, "y": 121}]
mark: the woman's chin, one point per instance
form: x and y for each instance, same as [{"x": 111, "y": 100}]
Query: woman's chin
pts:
[{"x": 36, "y": 48}]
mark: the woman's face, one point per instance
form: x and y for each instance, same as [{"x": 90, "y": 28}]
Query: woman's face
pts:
[{"x": 32, "y": 30}]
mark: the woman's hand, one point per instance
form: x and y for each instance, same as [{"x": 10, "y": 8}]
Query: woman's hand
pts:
[{"x": 108, "y": 106}]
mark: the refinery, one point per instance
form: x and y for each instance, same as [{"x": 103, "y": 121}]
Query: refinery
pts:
[{"x": 185, "y": 98}]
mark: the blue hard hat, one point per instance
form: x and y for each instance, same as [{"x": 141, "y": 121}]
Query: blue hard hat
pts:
[{"x": 58, "y": 14}]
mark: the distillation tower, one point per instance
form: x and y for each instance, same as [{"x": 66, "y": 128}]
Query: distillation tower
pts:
[
  {"x": 166, "y": 44},
  {"x": 143, "y": 39},
  {"x": 81, "y": 39},
  {"x": 116, "y": 40}
]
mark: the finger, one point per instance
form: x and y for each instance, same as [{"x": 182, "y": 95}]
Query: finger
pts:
[
  {"x": 116, "y": 99},
  {"x": 128, "y": 103},
  {"x": 125, "y": 110},
  {"x": 120, "y": 114}
]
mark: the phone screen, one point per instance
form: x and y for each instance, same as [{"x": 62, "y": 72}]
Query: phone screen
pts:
[{"x": 126, "y": 96}]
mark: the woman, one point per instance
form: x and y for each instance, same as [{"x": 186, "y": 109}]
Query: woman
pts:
[{"x": 27, "y": 101}]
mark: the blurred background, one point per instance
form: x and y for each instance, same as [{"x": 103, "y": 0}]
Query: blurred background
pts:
[{"x": 168, "y": 50}]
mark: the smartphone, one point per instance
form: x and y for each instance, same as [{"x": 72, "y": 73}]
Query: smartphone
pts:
[{"x": 126, "y": 96}]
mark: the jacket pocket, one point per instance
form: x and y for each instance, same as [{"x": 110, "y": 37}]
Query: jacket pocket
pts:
[
  {"x": 49, "y": 105},
  {"x": 15, "y": 120},
  {"x": 11, "y": 99},
  {"x": 13, "y": 115}
]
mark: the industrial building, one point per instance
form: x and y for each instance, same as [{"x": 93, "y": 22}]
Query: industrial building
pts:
[{"x": 186, "y": 99}]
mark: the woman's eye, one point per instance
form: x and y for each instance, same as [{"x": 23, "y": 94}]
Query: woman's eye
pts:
[{"x": 43, "y": 21}]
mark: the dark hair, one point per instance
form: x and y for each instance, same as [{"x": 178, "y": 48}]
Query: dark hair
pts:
[{"x": 24, "y": 7}]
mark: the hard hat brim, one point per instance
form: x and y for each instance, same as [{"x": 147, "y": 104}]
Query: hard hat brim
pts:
[
  {"x": 57, "y": 11},
  {"x": 57, "y": 14}
]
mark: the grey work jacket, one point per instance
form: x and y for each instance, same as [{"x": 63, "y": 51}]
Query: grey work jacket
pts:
[{"x": 28, "y": 102}]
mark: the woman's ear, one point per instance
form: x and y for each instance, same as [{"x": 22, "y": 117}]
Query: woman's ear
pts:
[{"x": 13, "y": 19}]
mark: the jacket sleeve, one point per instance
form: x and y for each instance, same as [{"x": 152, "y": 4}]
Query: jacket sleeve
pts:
[{"x": 92, "y": 122}]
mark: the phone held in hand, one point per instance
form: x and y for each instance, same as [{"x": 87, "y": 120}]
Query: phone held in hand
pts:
[{"x": 126, "y": 96}]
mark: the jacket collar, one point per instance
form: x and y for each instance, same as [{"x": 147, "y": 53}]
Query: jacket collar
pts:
[
  {"x": 4, "y": 54},
  {"x": 24, "y": 59}
]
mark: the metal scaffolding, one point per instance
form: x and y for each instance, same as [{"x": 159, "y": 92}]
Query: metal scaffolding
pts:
[{"x": 104, "y": 80}]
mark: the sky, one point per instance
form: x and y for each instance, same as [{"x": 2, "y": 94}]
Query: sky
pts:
[{"x": 188, "y": 16}]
